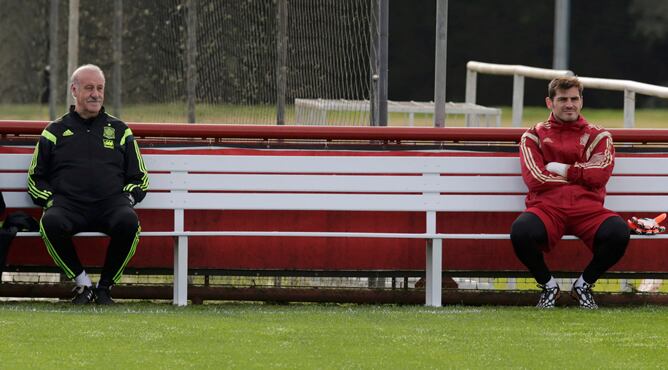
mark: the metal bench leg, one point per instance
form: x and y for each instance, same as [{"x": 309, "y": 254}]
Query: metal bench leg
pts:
[
  {"x": 181, "y": 271},
  {"x": 433, "y": 271}
]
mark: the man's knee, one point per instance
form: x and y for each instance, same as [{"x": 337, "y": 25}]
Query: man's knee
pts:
[
  {"x": 55, "y": 223},
  {"x": 124, "y": 221},
  {"x": 614, "y": 232},
  {"x": 527, "y": 229}
]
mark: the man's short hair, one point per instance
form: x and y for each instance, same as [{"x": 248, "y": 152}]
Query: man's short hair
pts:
[
  {"x": 563, "y": 83},
  {"x": 74, "y": 78}
]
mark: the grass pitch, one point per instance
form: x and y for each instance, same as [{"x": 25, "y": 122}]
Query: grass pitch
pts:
[{"x": 249, "y": 335}]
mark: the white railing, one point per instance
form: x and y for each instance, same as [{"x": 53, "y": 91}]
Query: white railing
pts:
[
  {"x": 519, "y": 72},
  {"x": 315, "y": 111},
  {"x": 630, "y": 88}
]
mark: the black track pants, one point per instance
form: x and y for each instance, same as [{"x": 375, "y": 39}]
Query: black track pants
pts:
[
  {"x": 114, "y": 217},
  {"x": 612, "y": 238},
  {"x": 528, "y": 236}
]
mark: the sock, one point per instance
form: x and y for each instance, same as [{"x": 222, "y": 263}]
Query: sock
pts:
[
  {"x": 551, "y": 283},
  {"x": 83, "y": 280},
  {"x": 579, "y": 282}
]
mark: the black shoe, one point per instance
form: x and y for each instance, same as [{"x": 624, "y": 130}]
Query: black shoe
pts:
[
  {"x": 583, "y": 296},
  {"x": 82, "y": 295},
  {"x": 548, "y": 297},
  {"x": 103, "y": 295}
]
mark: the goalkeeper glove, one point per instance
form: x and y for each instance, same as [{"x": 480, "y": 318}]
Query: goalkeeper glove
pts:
[{"x": 647, "y": 226}]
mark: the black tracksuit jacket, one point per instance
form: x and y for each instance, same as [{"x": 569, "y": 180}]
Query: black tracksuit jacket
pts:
[{"x": 86, "y": 161}]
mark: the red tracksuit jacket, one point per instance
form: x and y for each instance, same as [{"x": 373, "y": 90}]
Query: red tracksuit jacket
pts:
[{"x": 586, "y": 147}]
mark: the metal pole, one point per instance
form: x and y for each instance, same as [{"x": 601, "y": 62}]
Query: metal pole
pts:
[
  {"x": 441, "y": 59},
  {"x": 117, "y": 40},
  {"x": 191, "y": 58},
  {"x": 374, "y": 31},
  {"x": 384, "y": 12},
  {"x": 282, "y": 54},
  {"x": 379, "y": 82},
  {"x": 561, "y": 34},
  {"x": 53, "y": 59},
  {"x": 72, "y": 45}
]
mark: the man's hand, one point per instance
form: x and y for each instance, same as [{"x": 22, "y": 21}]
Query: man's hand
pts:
[
  {"x": 558, "y": 168},
  {"x": 647, "y": 226},
  {"x": 131, "y": 199}
]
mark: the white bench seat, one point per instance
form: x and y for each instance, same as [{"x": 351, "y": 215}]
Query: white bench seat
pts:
[{"x": 426, "y": 184}]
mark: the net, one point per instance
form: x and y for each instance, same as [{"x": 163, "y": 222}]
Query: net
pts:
[{"x": 232, "y": 61}]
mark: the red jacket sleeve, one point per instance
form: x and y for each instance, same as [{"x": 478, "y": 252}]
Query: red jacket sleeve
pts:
[
  {"x": 596, "y": 172},
  {"x": 535, "y": 176}
]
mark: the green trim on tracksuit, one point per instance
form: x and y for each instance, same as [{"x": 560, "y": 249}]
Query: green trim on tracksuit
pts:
[
  {"x": 133, "y": 249},
  {"x": 54, "y": 254}
]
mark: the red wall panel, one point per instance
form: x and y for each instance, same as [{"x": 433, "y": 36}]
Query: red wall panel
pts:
[{"x": 334, "y": 253}]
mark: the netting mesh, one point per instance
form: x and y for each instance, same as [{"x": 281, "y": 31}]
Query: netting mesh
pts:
[
  {"x": 240, "y": 69},
  {"x": 339, "y": 42}
]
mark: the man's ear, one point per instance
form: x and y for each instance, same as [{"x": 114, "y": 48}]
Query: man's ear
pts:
[{"x": 548, "y": 103}]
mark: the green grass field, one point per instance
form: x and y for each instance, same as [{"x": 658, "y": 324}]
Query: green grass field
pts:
[
  {"x": 247, "y": 335},
  {"x": 235, "y": 114}
]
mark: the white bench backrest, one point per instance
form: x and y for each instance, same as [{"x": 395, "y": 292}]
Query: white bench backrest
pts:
[{"x": 384, "y": 183}]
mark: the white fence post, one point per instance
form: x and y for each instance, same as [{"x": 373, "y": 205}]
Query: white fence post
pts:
[
  {"x": 518, "y": 99},
  {"x": 629, "y": 108},
  {"x": 471, "y": 81}
]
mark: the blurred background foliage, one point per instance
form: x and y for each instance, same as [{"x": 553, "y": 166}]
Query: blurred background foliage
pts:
[{"x": 624, "y": 39}]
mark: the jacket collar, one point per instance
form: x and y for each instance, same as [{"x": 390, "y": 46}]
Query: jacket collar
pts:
[
  {"x": 88, "y": 121},
  {"x": 576, "y": 125}
]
